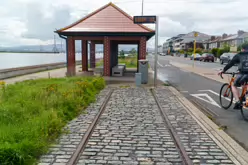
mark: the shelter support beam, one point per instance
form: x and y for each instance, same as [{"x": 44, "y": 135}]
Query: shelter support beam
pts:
[
  {"x": 71, "y": 64},
  {"x": 84, "y": 55}
]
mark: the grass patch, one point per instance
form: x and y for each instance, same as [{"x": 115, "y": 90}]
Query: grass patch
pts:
[
  {"x": 33, "y": 113},
  {"x": 131, "y": 62}
]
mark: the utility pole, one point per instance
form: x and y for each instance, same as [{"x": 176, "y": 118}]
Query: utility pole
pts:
[
  {"x": 156, "y": 52},
  {"x": 142, "y": 7},
  {"x": 54, "y": 45}
]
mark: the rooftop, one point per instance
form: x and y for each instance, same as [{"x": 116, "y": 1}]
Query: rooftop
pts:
[{"x": 110, "y": 19}]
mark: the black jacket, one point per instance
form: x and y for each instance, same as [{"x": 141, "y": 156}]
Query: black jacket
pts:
[{"x": 235, "y": 60}]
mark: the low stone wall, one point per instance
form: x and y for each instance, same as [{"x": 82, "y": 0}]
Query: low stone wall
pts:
[{"x": 13, "y": 72}]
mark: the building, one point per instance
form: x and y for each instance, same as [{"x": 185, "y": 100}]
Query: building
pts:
[
  {"x": 233, "y": 40},
  {"x": 103, "y": 26},
  {"x": 172, "y": 44}
]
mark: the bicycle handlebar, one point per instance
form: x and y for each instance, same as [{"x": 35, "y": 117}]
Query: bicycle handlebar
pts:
[{"x": 232, "y": 73}]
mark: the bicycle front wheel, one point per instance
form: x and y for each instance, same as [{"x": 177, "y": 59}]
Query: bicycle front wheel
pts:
[
  {"x": 226, "y": 96},
  {"x": 244, "y": 110}
]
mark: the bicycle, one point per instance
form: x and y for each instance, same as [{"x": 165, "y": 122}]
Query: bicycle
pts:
[{"x": 228, "y": 92}]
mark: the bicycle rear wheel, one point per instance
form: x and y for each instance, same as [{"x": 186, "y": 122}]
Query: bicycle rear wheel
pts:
[
  {"x": 226, "y": 96},
  {"x": 244, "y": 110}
]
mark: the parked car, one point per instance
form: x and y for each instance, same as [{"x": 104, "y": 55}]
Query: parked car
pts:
[
  {"x": 197, "y": 56},
  {"x": 207, "y": 57},
  {"x": 226, "y": 57}
]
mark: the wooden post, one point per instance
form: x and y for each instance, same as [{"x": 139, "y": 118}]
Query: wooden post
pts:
[
  {"x": 71, "y": 67},
  {"x": 106, "y": 58},
  {"x": 84, "y": 55},
  {"x": 92, "y": 55}
]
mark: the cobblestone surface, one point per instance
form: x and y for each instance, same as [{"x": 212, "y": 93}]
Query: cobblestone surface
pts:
[
  {"x": 199, "y": 146},
  {"x": 131, "y": 131},
  {"x": 66, "y": 145}
]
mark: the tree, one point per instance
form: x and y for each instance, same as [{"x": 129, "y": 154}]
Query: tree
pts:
[
  {"x": 214, "y": 51},
  {"x": 220, "y": 52},
  {"x": 122, "y": 54},
  {"x": 133, "y": 52}
]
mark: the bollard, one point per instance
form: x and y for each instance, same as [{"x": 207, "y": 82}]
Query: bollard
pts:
[{"x": 138, "y": 79}]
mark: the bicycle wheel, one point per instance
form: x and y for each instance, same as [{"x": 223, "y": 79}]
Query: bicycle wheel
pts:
[
  {"x": 226, "y": 96},
  {"x": 244, "y": 110}
]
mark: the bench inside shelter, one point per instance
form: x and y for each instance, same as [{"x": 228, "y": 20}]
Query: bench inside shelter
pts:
[{"x": 119, "y": 70}]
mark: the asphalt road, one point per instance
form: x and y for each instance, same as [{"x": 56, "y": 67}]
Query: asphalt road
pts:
[{"x": 204, "y": 93}]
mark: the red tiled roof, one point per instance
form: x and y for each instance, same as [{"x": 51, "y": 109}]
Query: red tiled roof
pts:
[{"x": 109, "y": 18}]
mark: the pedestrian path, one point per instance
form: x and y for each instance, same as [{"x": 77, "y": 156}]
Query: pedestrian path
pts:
[
  {"x": 140, "y": 126},
  {"x": 56, "y": 73}
]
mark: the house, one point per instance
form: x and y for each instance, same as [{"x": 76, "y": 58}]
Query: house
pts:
[
  {"x": 233, "y": 40},
  {"x": 188, "y": 40},
  {"x": 215, "y": 43}
]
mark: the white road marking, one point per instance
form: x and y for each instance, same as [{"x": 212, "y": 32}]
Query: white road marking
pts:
[
  {"x": 160, "y": 64},
  {"x": 208, "y": 100},
  {"x": 215, "y": 93},
  {"x": 184, "y": 91}
]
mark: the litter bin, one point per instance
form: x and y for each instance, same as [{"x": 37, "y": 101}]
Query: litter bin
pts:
[
  {"x": 143, "y": 69},
  {"x": 138, "y": 79}
]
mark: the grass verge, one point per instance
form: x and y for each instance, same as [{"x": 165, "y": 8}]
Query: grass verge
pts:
[
  {"x": 33, "y": 113},
  {"x": 131, "y": 62}
]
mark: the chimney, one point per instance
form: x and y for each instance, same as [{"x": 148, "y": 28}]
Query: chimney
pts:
[
  {"x": 240, "y": 32},
  {"x": 212, "y": 38},
  {"x": 224, "y": 35}
]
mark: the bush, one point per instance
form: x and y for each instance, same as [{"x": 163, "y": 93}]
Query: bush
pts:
[
  {"x": 214, "y": 51},
  {"x": 181, "y": 51},
  {"x": 198, "y": 50},
  {"x": 190, "y": 50},
  {"x": 33, "y": 113},
  {"x": 220, "y": 52}
]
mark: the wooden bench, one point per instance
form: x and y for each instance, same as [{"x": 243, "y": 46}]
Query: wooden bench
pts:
[{"x": 118, "y": 70}]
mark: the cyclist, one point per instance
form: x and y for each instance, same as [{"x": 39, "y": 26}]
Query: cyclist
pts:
[{"x": 241, "y": 59}]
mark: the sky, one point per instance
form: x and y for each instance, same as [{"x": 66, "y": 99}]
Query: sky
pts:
[{"x": 32, "y": 22}]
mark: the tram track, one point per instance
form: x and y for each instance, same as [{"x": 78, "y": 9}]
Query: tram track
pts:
[
  {"x": 82, "y": 145},
  {"x": 184, "y": 156},
  {"x": 76, "y": 155}
]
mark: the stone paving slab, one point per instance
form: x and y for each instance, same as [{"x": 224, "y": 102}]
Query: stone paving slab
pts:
[
  {"x": 199, "y": 146},
  {"x": 131, "y": 131},
  {"x": 66, "y": 145}
]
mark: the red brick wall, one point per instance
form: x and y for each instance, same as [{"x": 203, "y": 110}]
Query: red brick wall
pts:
[
  {"x": 71, "y": 68},
  {"x": 106, "y": 57},
  {"x": 84, "y": 56},
  {"x": 142, "y": 48},
  {"x": 92, "y": 55}
]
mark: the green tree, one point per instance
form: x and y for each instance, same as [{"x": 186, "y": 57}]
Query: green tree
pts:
[
  {"x": 214, "y": 51},
  {"x": 133, "y": 52},
  {"x": 220, "y": 52},
  {"x": 122, "y": 54}
]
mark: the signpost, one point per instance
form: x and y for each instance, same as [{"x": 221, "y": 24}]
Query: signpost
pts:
[
  {"x": 150, "y": 20},
  {"x": 195, "y": 35}
]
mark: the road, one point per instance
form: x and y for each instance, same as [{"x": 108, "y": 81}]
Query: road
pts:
[{"x": 204, "y": 93}]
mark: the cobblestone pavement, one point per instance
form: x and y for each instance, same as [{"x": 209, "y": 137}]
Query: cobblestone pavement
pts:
[
  {"x": 131, "y": 131},
  {"x": 66, "y": 145},
  {"x": 199, "y": 146}
]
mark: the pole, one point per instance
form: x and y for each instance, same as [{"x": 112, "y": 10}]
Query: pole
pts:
[
  {"x": 142, "y": 7},
  {"x": 156, "y": 52},
  {"x": 194, "y": 51}
]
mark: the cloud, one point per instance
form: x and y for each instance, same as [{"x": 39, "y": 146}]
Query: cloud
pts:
[{"x": 33, "y": 21}]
